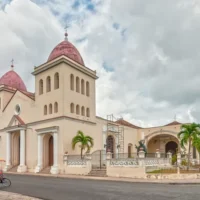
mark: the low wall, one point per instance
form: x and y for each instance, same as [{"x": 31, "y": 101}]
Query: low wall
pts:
[
  {"x": 77, "y": 167},
  {"x": 172, "y": 176},
  {"x": 128, "y": 172},
  {"x": 133, "y": 167}
]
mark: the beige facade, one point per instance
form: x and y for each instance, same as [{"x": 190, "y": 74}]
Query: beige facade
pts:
[{"x": 37, "y": 129}]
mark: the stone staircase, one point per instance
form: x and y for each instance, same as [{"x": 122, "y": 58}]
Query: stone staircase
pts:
[
  {"x": 98, "y": 172},
  {"x": 45, "y": 170},
  {"x": 13, "y": 169}
]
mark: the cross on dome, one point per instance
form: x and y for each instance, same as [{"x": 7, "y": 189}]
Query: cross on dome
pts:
[
  {"x": 66, "y": 34},
  {"x": 12, "y": 66}
]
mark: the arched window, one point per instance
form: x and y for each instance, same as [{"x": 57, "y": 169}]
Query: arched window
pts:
[
  {"x": 40, "y": 87},
  {"x": 87, "y": 89},
  {"x": 82, "y": 86},
  {"x": 88, "y": 112},
  {"x": 72, "y": 82},
  {"x": 45, "y": 110},
  {"x": 48, "y": 84},
  {"x": 83, "y": 111},
  {"x": 56, "y": 81},
  {"x": 50, "y": 108},
  {"x": 77, "y": 84},
  {"x": 77, "y": 109},
  {"x": 55, "y": 107},
  {"x": 72, "y": 108}
]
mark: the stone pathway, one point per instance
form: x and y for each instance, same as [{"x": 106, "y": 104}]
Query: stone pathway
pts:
[{"x": 13, "y": 196}]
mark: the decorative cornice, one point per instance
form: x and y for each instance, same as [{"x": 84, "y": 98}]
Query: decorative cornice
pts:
[
  {"x": 60, "y": 118},
  {"x": 64, "y": 59},
  {"x": 52, "y": 129},
  {"x": 13, "y": 128}
]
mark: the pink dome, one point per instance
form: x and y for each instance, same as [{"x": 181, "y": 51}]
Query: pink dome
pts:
[
  {"x": 12, "y": 79},
  {"x": 67, "y": 49}
]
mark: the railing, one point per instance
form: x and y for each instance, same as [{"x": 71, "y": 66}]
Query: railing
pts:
[{"x": 75, "y": 160}]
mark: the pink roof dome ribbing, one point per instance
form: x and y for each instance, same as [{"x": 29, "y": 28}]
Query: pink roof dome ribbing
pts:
[
  {"x": 67, "y": 49},
  {"x": 12, "y": 79}
]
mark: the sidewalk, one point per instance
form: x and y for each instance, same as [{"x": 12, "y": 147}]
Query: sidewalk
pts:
[
  {"x": 155, "y": 181},
  {"x": 13, "y": 196}
]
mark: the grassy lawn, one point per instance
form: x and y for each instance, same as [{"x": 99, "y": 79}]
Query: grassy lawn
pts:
[{"x": 173, "y": 171}]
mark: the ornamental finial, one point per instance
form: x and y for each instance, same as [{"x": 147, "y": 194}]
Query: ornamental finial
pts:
[
  {"x": 66, "y": 34},
  {"x": 12, "y": 64}
]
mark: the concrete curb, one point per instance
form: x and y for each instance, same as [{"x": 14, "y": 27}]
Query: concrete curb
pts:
[
  {"x": 14, "y": 196},
  {"x": 129, "y": 180}
]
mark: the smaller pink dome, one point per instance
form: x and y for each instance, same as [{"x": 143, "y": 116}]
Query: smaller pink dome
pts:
[
  {"x": 12, "y": 79},
  {"x": 67, "y": 49}
]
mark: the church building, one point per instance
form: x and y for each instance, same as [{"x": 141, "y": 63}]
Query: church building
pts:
[{"x": 36, "y": 129}]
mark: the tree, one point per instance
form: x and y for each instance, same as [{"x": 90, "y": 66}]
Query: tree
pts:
[
  {"x": 86, "y": 142},
  {"x": 189, "y": 134}
]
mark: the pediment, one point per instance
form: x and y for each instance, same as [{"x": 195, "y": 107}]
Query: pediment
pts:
[{"x": 16, "y": 121}]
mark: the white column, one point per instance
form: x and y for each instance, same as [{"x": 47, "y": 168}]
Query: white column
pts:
[
  {"x": 22, "y": 167},
  {"x": 54, "y": 168},
  {"x": 40, "y": 154},
  {"x": 22, "y": 147},
  {"x": 117, "y": 149},
  {"x": 8, "y": 151}
]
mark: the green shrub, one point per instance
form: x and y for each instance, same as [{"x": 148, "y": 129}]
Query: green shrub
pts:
[
  {"x": 174, "y": 159},
  {"x": 184, "y": 163}
]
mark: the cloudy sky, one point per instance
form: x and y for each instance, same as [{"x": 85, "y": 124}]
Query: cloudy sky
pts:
[{"x": 146, "y": 52}]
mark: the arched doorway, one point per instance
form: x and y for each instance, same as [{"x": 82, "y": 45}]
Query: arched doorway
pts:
[
  {"x": 51, "y": 151},
  {"x": 110, "y": 144},
  {"x": 129, "y": 150},
  {"x": 163, "y": 143},
  {"x": 48, "y": 151},
  {"x": 171, "y": 147},
  {"x": 16, "y": 149}
]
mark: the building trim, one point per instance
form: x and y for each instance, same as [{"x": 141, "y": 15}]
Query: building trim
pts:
[
  {"x": 52, "y": 129},
  {"x": 13, "y": 128},
  {"x": 64, "y": 59},
  {"x": 13, "y": 97}
]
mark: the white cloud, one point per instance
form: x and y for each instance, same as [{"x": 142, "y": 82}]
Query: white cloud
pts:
[{"x": 151, "y": 59}]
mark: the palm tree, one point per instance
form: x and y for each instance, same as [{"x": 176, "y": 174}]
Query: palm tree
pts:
[
  {"x": 86, "y": 142},
  {"x": 189, "y": 134}
]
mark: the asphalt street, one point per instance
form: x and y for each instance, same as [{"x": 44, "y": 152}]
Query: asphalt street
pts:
[{"x": 49, "y": 188}]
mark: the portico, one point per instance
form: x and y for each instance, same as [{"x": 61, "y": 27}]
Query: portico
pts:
[
  {"x": 47, "y": 149},
  {"x": 15, "y": 149}
]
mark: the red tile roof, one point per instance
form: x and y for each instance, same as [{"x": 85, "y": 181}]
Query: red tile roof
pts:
[
  {"x": 173, "y": 123},
  {"x": 20, "y": 120},
  {"x": 125, "y": 123}
]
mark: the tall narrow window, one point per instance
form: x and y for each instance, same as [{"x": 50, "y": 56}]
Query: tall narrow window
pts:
[
  {"x": 72, "y": 108},
  {"x": 56, "y": 81},
  {"x": 77, "y": 84},
  {"x": 48, "y": 84},
  {"x": 72, "y": 82},
  {"x": 40, "y": 87},
  {"x": 55, "y": 107},
  {"x": 77, "y": 109},
  {"x": 88, "y": 112},
  {"x": 83, "y": 111},
  {"x": 45, "y": 110},
  {"x": 50, "y": 108},
  {"x": 82, "y": 86},
  {"x": 87, "y": 89}
]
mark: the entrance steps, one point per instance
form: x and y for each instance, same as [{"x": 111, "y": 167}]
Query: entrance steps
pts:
[
  {"x": 13, "y": 169},
  {"x": 45, "y": 170},
  {"x": 98, "y": 173}
]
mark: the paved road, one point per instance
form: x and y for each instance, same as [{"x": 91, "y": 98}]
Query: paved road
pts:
[{"x": 74, "y": 189}]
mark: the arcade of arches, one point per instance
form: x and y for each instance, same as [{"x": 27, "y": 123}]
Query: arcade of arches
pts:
[{"x": 165, "y": 143}]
